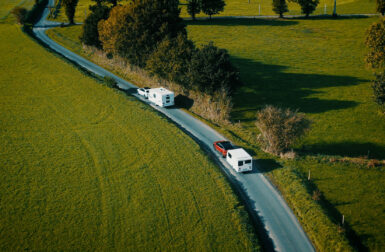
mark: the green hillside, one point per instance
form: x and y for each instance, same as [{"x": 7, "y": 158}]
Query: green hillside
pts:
[{"x": 85, "y": 167}]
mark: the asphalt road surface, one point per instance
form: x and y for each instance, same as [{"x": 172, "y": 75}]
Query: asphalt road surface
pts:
[{"x": 282, "y": 230}]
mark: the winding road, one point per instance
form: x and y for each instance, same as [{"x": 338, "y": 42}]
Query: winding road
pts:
[{"x": 264, "y": 202}]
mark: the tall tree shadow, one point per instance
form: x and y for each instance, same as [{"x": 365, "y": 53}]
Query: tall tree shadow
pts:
[{"x": 269, "y": 84}]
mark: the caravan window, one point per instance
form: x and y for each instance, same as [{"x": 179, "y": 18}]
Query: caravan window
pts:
[
  {"x": 240, "y": 163},
  {"x": 247, "y": 161},
  {"x": 229, "y": 155}
]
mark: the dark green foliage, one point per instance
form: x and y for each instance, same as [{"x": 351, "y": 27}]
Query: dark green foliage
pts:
[
  {"x": 20, "y": 14},
  {"x": 171, "y": 59},
  {"x": 109, "y": 81},
  {"x": 381, "y": 6},
  {"x": 90, "y": 35},
  {"x": 34, "y": 14},
  {"x": 70, "y": 7},
  {"x": 375, "y": 41},
  {"x": 150, "y": 22},
  {"x": 379, "y": 90},
  {"x": 280, "y": 7},
  {"x": 307, "y": 6},
  {"x": 212, "y": 7},
  {"x": 193, "y": 7},
  {"x": 210, "y": 70}
]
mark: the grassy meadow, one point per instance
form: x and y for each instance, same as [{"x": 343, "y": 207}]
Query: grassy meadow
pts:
[
  {"x": 254, "y": 8},
  {"x": 6, "y": 7},
  {"x": 317, "y": 67},
  {"x": 85, "y": 167}
]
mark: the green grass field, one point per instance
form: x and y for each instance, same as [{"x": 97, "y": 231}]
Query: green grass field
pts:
[
  {"x": 315, "y": 66},
  {"x": 85, "y": 167},
  {"x": 254, "y": 8},
  {"x": 6, "y": 7}
]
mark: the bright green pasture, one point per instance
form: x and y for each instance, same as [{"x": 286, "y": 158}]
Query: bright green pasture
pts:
[
  {"x": 315, "y": 66},
  {"x": 85, "y": 167},
  {"x": 254, "y": 8},
  {"x": 6, "y": 7}
]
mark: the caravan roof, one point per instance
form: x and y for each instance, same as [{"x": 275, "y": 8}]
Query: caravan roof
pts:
[
  {"x": 161, "y": 91},
  {"x": 239, "y": 154}
]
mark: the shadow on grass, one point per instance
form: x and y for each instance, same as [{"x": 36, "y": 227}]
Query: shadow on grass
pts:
[
  {"x": 244, "y": 22},
  {"x": 330, "y": 17},
  {"x": 348, "y": 149},
  {"x": 270, "y": 84}
]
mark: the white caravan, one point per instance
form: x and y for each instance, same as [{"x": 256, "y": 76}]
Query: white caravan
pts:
[
  {"x": 240, "y": 160},
  {"x": 161, "y": 97}
]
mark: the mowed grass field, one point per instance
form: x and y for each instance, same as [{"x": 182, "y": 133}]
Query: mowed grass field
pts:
[
  {"x": 6, "y": 7},
  {"x": 254, "y": 8},
  {"x": 85, "y": 167},
  {"x": 317, "y": 67}
]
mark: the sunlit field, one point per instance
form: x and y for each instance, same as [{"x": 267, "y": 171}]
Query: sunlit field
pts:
[{"x": 86, "y": 167}]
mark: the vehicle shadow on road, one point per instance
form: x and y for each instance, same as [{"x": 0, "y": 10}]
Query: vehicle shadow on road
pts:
[{"x": 264, "y": 165}]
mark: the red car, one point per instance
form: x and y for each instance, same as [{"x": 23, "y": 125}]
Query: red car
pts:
[{"x": 222, "y": 147}]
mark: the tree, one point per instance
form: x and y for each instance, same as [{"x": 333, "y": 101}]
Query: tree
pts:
[
  {"x": 307, "y": 6},
  {"x": 379, "y": 90},
  {"x": 20, "y": 14},
  {"x": 90, "y": 34},
  {"x": 211, "y": 70},
  {"x": 381, "y": 7},
  {"x": 212, "y": 7},
  {"x": 280, "y": 7},
  {"x": 171, "y": 59},
  {"x": 280, "y": 128},
  {"x": 193, "y": 7},
  {"x": 375, "y": 42},
  {"x": 110, "y": 28},
  {"x": 140, "y": 27},
  {"x": 70, "y": 7}
]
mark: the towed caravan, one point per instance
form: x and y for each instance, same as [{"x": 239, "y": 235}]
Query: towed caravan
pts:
[
  {"x": 240, "y": 160},
  {"x": 161, "y": 97}
]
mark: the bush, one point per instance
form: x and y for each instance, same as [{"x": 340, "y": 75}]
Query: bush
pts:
[
  {"x": 375, "y": 41},
  {"x": 280, "y": 128},
  {"x": 211, "y": 70},
  {"x": 379, "y": 90},
  {"x": 20, "y": 14},
  {"x": 110, "y": 82}
]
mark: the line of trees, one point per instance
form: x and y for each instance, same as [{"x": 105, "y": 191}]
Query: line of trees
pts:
[
  {"x": 209, "y": 7},
  {"x": 150, "y": 34},
  {"x": 307, "y": 6}
]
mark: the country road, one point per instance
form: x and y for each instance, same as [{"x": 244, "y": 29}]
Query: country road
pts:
[{"x": 262, "y": 199}]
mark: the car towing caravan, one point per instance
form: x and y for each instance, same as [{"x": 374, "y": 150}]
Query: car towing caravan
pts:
[
  {"x": 161, "y": 97},
  {"x": 240, "y": 160}
]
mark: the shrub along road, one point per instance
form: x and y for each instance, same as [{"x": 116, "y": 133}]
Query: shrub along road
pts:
[{"x": 263, "y": 201}]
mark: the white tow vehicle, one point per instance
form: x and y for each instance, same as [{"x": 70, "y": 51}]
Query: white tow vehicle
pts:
[
  {"x": 240, "y": 160},
  {"x": 161, "y": 97},
  {"x": 143, "y": 91}
]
